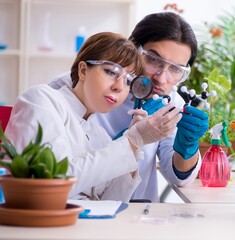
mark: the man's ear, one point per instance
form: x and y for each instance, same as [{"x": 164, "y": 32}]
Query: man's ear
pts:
[{"x": 82, "y": 69}]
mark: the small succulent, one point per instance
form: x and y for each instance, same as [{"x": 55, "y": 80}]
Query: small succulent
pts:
[{"x": 36, "y": 160}]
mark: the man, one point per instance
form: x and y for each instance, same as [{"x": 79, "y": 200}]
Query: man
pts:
[{"x": 169, "y": 47}]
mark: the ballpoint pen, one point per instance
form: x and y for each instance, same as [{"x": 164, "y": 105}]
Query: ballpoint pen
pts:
[{"x": 146, "y": 209}]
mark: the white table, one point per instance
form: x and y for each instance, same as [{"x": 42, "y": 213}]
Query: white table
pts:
[
  {"x": 196, "y": 193},
  {"x": 202, "y": 221}
]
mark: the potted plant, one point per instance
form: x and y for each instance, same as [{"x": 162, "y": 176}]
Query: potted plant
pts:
[{"x": 37, "y": 180}]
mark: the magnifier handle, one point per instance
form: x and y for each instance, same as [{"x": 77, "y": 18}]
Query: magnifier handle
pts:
[{"x": 138, "y": 103}]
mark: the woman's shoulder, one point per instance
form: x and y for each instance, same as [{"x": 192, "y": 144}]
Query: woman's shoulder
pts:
[
  {"x": 40, "y": 93},
  {"x": 42, "y": 89}
]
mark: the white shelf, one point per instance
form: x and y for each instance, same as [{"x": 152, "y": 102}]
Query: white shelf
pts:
[
  {"x": 52, "y": 54},
  {"x": 22, "y": 27},
  {"x": 10, "y": 52},
  {"x": 81, "y": 1}
]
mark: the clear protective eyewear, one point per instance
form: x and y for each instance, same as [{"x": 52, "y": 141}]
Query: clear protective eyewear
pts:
[
  {"x": 114, "y": 71},
  {"x": 140, "y": 86},
  {"x": 156, "y": 65}
]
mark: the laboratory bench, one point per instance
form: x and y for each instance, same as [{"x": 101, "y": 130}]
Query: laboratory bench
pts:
[
  {"x": 196, "y": 193},
  {"x": 164, "y": 221}
]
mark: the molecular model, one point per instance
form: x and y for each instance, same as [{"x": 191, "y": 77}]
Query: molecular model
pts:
[
  {"x": 203, "y": 96},
  {"x": 165, "y": 98},
  {"x": 191, "y": 95}
]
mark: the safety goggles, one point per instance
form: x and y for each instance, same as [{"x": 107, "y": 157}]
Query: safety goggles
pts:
[
  {"x": 114, "y": 71},
  {"x": 156, "y": 65}
]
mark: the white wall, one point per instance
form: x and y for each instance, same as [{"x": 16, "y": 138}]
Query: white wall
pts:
[{"x": 195, "y": 11}]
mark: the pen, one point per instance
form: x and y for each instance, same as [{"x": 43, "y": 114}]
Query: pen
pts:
[{"x": 146, "y": 209}]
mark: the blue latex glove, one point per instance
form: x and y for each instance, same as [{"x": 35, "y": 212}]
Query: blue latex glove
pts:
[
  {"x": 151, "y": 105},
  {"x": 191, "y": 127}
]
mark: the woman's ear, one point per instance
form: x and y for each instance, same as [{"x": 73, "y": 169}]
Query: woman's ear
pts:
[{"x": 82, "y": 68}]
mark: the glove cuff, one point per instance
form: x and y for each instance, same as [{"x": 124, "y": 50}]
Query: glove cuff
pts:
[
  {"x": 134, "y": 137},
  {"x": 186, "y": 151}
]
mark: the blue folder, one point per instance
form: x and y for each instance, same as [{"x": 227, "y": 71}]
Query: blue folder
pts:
[{"x": 86, "y": 215}]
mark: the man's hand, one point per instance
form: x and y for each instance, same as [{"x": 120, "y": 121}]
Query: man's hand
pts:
[{"x": 192, "y": 126}]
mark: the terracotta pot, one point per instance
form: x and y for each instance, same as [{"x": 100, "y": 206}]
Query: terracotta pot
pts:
[
  {"x": 41, "y": 194},
  {"x": 204, "y": 146}
]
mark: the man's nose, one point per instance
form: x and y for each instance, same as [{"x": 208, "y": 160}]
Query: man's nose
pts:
[{"x": 160, "y": 76}]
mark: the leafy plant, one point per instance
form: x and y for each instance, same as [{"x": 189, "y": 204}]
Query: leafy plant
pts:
[
  {"x": 219, "y": 107},
  {"x": 216, "y": 50},
  {"x": 35, "y": 161},
  {"x": 215, "y": 62}
]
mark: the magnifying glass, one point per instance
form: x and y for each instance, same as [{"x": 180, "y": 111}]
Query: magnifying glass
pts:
[{"x": 141, "y": 87}]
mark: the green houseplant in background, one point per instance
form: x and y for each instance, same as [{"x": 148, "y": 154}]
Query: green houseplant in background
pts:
[
  {"x": 216, "y": 50},
  {"x": 215, "y": 63},
  {"x": 217, "y": 113}
]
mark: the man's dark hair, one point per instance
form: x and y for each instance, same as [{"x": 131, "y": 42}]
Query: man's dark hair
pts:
[{"x": 165, "y": 26}]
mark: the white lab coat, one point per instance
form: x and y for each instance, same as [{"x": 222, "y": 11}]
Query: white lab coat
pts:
[
  {"x": 101, "y": 165},
  {"x": 162, "y": 151}
]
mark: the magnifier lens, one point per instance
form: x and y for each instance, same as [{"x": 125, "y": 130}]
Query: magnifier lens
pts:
[{"x": 141, "y": 87}]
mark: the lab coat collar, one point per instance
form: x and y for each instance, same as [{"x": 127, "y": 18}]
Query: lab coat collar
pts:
[{"x": 73, "y": 101}]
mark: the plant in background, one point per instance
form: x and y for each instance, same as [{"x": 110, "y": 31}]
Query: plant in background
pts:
[
  {"x": 35, "y": 161},
  {"x": 217, "y": 113},
  {"x": 215, "y": 62},
  {"x": 216, "y": 50}
]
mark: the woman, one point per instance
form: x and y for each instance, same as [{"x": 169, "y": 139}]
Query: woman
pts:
[{"x": 101, "y": 77}]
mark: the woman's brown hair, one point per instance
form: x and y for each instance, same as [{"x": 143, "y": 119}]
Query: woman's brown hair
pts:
[{"x": 111, "y": 47}]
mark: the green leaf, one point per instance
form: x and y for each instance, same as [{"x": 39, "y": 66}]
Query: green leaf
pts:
[
  {"x": 38, "y": 139},
  {"x": 9, "y": 149},
  {"x": 219, "y": 83},
  {"x": 40, "y": 170},
  {"x": 7, "y": 146},
  {"x": 2, "y": 136},
  {"x": 31, "y": 152},
  {"x": 62, "y": 167},
  {"x": 20, "y": 167},
  {"x": 46, "y": 157},
  {"x": 232, "y": 74},
  {"x": 2, "y": 155},
  {"x": 232, "y": 106},
  {"x": 5, "y": 164},
  {"x": 28, "y": 148}
]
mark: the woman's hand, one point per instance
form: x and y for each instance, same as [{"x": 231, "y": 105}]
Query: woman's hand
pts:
[
  {"x": 155, "y": 127},
  {"x": 138, "y": 114}
]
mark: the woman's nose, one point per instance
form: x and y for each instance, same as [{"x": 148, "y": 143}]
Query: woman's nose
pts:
[{"x": 118, "y": 84}]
